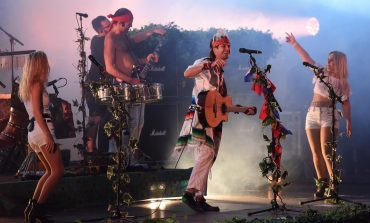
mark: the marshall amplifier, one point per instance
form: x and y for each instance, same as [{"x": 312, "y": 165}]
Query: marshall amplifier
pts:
[{"x": 160, "y": 131}]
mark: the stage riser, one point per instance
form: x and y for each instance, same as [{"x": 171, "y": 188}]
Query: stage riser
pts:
[{"x": 93, "y": 190}]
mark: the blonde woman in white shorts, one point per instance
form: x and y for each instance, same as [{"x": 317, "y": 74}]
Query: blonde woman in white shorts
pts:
[{"x": 319, "y": 115}]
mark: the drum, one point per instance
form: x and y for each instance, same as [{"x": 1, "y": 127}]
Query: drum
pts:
[
  {"x": 125, "y": 92},
  {"x": 141, "y": 92},
  {"x": 155, "y": 90},
  {"x": 15, "y": 130},
  {"x": 104, "y": 95},
  {"x": 14, "y": 120},
  {"x": 4, "y": 111}
]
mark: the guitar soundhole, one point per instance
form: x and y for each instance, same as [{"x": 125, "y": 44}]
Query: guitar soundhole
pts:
[{"x": 223, "y": 108}]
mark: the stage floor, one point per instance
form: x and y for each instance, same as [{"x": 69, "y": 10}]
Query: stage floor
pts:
[{"x": 230, "y": 205}]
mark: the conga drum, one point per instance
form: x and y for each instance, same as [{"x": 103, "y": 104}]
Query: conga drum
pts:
[
  {"x": 15, "y": 129},
  {"x": 4, "y": 110}
]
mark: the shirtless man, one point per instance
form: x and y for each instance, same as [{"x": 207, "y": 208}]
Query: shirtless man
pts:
[{"x": 120, "y": 58}]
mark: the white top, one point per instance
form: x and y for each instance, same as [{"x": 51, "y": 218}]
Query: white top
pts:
[
  {"x": 321, "y": 89},
  {"x": 204, "y": 81},
  {"x": 45, "y": 103}
]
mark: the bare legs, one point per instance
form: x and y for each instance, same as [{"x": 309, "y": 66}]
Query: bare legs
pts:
[
  {"x": 54, "y": 172},
  {"x": 317, "y": 139}
]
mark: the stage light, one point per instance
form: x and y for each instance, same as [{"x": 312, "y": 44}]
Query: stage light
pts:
[
  {"x": 313, "y": 26},
  {"x": 154, "y": 205}
]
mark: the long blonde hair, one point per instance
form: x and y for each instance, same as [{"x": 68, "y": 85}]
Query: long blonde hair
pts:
[
  {"x": 35, "y": 70},
  {"x": 341, "y": 70}
]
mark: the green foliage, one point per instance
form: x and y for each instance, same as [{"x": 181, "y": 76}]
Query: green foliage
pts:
[
  {"x": 168, "y": 220},
  {"x": 342, "y": 214},
  {"x": 183, "y": 47}
]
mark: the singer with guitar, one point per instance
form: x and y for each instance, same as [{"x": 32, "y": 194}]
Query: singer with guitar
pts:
[
  {"x": 319, "y": 116},
  {"x": 120, "y": 59},
  {"x": 203, "y": 137}
]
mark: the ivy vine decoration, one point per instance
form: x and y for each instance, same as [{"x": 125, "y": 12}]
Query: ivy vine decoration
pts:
[{"x": 113, "y": 129}]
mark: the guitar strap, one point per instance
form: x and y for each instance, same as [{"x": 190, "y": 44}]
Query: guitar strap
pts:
[{"x": 222, "y": 86}]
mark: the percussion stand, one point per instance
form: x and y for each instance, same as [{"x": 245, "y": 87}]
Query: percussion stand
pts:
[
  {"x": 332, "y": 145},
  {"x": 118, "y": 109},
  {"x": 123, "y": 116},
  {"x": 81, "y": 67}
]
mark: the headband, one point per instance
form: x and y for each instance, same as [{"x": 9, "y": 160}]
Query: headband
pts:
[
  {"x": 122, "y": 18},
  {"x": 223, "y": 40}
]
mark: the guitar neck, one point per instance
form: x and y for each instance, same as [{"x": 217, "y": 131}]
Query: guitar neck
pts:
[
  {"x": 149, "y": 64},
  {"x": 236, "y": 108}
]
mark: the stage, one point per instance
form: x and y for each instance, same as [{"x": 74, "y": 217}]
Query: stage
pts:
[
  {"x": 230, "y": 205},
  {"x": 76, "y": 191}
]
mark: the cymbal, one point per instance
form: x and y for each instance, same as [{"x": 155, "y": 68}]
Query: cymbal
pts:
[{"x": 16, "y": 53}]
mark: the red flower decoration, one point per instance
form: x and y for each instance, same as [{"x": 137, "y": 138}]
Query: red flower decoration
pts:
[{"x": 264, "y": 111}]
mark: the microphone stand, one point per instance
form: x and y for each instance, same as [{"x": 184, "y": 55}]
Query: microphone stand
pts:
[
  {"x": 257, "y": 70},
  {"x": 276, "y": 173},
  {"x": 334, "y": 179},
  {"x": 12, "y": 40},
  {"x": 55, "y": 90},
  {"x": 81, "y": 67}
]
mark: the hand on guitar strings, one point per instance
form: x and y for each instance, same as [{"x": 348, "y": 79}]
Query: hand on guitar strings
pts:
[{"x": 152, "y": 57}]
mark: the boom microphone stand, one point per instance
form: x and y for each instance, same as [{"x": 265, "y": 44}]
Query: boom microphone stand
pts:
[
  {"x": 276, "y": 173},
  {"x": 334, "y": 179},
  {"x": 82, "y": 69},
  {"x": 12, "y": 40}
]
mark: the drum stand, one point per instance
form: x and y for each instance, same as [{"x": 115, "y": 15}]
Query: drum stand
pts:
[
  {"x": 29, "y": 168},
  {"x": 334, "y": 179}
]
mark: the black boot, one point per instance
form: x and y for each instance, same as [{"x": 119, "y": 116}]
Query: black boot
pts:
[
  {"x": 188, "y": 199},
  {"x": 38, "y": 212},
  {"x": 28, "y": 208},
  {"x": 201, "y": 202},
  {"x": 321, "y": 185}
]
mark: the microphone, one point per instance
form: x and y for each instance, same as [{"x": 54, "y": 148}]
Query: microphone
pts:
[
  {"x": 53, "y": 82},
  {"x": 82, "y": 14},
  {"x": 2, "y": 85},
  {"x": 319, "y": 69},
  {"x": 94, "y": 61},
  {"x": 243, "y": 50}
]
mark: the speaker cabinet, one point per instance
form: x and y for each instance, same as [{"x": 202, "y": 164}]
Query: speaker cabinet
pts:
[{"x": 160, "y": 130}]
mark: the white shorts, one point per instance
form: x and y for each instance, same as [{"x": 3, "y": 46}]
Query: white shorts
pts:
[
  {"x": 36, "y": 138},
  {"x": 319, "y": 117}
]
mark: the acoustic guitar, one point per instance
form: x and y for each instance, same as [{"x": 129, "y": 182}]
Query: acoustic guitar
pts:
[{"x": 214, "y": 108}]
